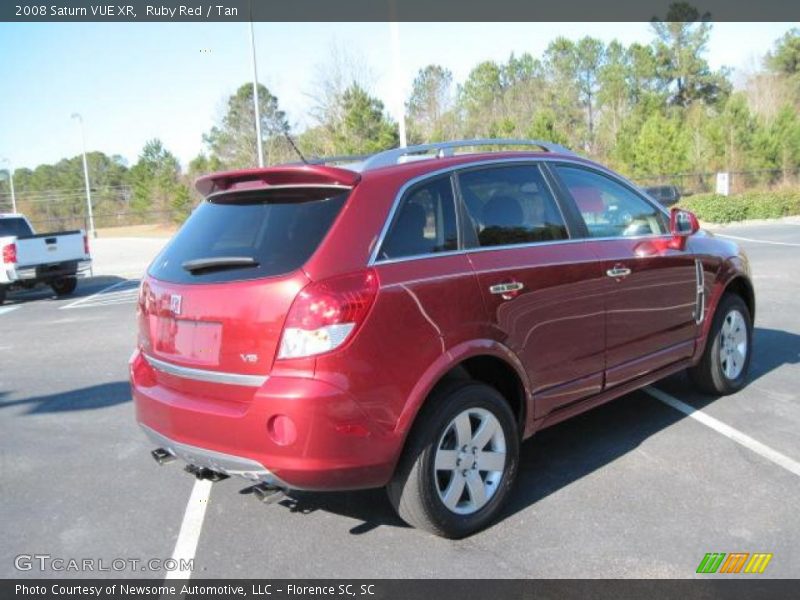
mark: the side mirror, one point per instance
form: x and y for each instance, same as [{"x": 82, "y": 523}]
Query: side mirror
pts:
[{"x": 682, "y": 223}]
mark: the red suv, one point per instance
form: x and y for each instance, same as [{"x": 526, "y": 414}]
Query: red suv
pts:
[{"x": 407, "y": 320}]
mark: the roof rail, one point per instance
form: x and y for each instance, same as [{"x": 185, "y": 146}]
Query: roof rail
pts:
[{"x": 443, "y": 149}]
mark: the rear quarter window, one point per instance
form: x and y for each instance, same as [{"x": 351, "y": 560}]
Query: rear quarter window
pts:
[
  {"x": 425, "y": 222},
  {"x": 278, "y": 229}
]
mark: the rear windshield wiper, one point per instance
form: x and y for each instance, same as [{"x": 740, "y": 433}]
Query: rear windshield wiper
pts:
[{"x": 219, "y": 262}]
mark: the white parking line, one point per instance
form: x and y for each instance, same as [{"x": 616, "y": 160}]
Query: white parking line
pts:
[
  {"x": 192, "y": 525},
  {"x": 103, "y": 295},
  {"x": 8, "y": 309},
  {"x": 734, "y": 434},
  {"x": 745, "y": 239}
]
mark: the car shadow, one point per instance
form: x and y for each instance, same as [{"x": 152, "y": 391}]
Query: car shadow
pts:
[
  {"x": 86, "y": 287},
  {"x": 88, "y": 398},
  {"x": 551, "y": 460},
  {"x": 773, "y": 348},
  {"x": 371, "y": 507},
  {"x": 560, "y": 455}
]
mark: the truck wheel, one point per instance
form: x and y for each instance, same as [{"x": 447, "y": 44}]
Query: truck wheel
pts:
[
  {"x": 2, "y": 294},
  {"x": 726, "y": 359},
  {"x": 460, "y": 461},
  {"x": 64, "y": 287}
]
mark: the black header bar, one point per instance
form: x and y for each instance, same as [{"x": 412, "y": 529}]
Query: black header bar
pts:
[
  {"x": 386, "y": 10},
  {"x": 733, "y": 588}
]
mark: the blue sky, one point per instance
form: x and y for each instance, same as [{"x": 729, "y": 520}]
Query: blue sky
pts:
[{"x": 136, "y": 81}]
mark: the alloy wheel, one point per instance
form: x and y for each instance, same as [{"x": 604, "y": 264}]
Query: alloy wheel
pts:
[
  {"x": 733, "y": 344},
  {"x": 470, "y": 461}
]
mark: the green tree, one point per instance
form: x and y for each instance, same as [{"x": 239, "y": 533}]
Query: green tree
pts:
[
  {"x": 661, "y": 147},
  {"x": 614, "y": 95},
  {"x": 544, "y": 126},
  {"x": 736, "y": 131},
  {"x": 480, "y": 99},
  {"x": 589, "y": 57},
  {"x": 562, "y": 93},
  {"x": 785, "y": 56},
  {"x": 429, "y": 104},
  {"x": 53, "y": 196},
  {"x": 233, "y": 141},
  {"x": 524, "y": 84},
  {"x": 364, "y": 127},
  {"x": 681, "y": 42},
  {"x": 777, "y": 145},
  {"x": 784, "y": 61},
  {"x": 157, "y": 187}
]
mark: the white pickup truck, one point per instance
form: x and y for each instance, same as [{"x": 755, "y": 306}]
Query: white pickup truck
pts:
[{"x": 27, "y": 258}]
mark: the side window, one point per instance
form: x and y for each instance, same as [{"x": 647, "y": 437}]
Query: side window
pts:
[
  {"x": 511, "y": 205},
  {"x": 609, "y": 209},
  {"x": 425, "y": 222}
]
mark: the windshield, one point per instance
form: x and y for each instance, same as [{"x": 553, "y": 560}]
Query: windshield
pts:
[{"x": 248, "y": 235}]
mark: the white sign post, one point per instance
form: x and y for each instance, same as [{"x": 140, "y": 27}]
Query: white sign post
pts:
[{"x": 723, "y": 184}]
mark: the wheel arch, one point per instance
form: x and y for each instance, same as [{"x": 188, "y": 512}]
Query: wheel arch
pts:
[
  {"x": 742, "y": 286},
  {"x": 733, "y": 277},
  {"x": 486, "y": 361}
]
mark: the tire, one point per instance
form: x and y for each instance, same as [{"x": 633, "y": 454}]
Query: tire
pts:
[
  {"x": 418, "y": 490},
  {"x": 64, "y": 287},
  {"x": 725, "y": 362},
  {"x": 2, "y": 294}
]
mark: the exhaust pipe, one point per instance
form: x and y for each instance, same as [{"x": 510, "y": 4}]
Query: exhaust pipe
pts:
[
  {"x": 269, "y": 494},
  {"x": 205, "y": 473},
  {"x": 162, "y": 456}
]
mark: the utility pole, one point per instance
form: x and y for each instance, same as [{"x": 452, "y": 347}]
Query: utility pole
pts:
[
  {"x": 259, "y": 144},
  {"x": 400, "y": 105},
  {"x": 92, "y": 232}
]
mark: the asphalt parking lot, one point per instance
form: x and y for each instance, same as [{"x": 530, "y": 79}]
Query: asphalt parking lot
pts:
[{"x": 636, "y": 488}]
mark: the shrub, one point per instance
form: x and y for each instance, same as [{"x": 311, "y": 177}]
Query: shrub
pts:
[{"x": 748, "y": 205}]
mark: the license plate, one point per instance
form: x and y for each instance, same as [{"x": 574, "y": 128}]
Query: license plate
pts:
[{"x": 196, "y": 342}]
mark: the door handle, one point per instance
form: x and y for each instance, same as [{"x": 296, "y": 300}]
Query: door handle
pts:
[
  {"x": 507, "y": 290},
  {"x": 618, "y": 272}
]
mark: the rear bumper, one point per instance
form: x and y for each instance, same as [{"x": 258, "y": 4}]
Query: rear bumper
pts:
[
  {"x": 224, "y": 427},
  {"x": 45, "y": 273},
  {"x": 216, "y": 461}
]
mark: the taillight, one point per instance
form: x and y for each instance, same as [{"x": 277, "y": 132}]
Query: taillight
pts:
[
  {"x": 86, "y": 244},
  {"x": 326, "y": 313},
  {"x": 10, "y": 253}
]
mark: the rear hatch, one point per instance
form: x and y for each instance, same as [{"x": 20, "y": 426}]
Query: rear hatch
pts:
[{"x": 216, "y": 298}]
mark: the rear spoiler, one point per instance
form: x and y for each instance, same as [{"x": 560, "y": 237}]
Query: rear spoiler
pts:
[{"x": 293, "y": 176}]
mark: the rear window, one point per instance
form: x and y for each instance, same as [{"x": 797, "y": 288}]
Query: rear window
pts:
[
  {"x": 248, "y": 235},
  {"x": 15, "y": 226}
]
